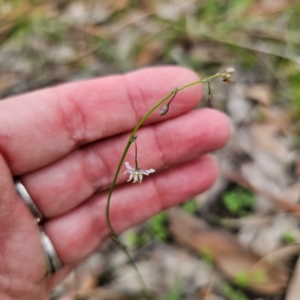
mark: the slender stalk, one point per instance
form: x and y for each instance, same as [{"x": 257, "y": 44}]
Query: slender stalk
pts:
[
  {"x": 131, "y": 139},
  {"x": 146, "y": 294},
  {"x": 135, "y": 156},
  {"x": 114, "y": 235}
]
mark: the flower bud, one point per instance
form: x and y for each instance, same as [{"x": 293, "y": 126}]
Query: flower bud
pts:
[
  {"x": 230, "y": 70},
  {"x": 209, "y": 99},
  {"x": 164, "y": 110}
]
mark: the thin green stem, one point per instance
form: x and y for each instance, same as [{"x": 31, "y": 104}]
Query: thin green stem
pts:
[
  {"x": 135, "y": 156},
  {"x": 199, "y": 81},
  {"x": 123, "y": 247},
  {"x": 130, "y": 141}
]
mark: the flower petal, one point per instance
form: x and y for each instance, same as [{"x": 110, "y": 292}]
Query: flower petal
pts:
[
  {"x": 140, "y": 177},
  {"x": 130, "y": 177},
  {"x": 128, "y": 166},
  {"x": 135, "y": 177},
  {"x": 147, "y": 172}
]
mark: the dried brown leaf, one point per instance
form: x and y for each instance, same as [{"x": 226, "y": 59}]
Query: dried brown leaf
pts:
[
  {"x": 269, "y": 7},
  {"x": 293, "y": 290},
  {"x": 87, "y": 285},
  {"x": 282, "y": 254},
  {"x": 119, "y": 4},
  {"x": 228, "y": 254},
  {"x": 260, "y": 93},
  {"x": 266, "y": 137},
  {"x": 149, "y": 53},
  {"x": 6, "y": 81},
  {"x": 277, "y": 117}
]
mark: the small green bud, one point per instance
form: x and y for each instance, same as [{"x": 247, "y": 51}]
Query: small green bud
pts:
[
  {"x": 209, "y": 99},
  {"x": 164, "y": 110}
]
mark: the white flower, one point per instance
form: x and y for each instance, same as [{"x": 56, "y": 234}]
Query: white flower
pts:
[{"x": 136, "y": 174}]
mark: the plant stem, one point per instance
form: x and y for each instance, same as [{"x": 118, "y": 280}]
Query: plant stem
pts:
[{"x": 131, "y": 139}]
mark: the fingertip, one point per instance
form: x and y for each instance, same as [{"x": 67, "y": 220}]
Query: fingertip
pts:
[
  {"x": 219, "y": 127},
  {"x": 210, "y": 165},
  {"x": 224, "y": 127}
]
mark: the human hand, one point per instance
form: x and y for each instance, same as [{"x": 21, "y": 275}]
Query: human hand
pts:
[{"x": 65, "y": 143}]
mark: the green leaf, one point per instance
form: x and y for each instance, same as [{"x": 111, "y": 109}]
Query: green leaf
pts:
[
  {"x": 238, "y": 201},
  {"x": 231, "y": 293},
  {"x": 190, "y": 206}
]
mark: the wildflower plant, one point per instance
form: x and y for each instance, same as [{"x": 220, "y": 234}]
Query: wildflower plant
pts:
[{"x": 135, "y": 173}]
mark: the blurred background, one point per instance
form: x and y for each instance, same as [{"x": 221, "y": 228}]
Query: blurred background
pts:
[{"x": 238, "y": 241}]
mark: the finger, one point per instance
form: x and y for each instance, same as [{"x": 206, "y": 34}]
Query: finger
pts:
[
  {"x": 79, "y": 232},
  {"x": 60, "y": 187},
  {"x": 39, "y": 128}
]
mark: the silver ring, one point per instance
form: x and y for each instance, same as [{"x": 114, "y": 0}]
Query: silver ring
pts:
[
  {"x": 28, "y": 200},
  {"x": 53, "y": 262}
]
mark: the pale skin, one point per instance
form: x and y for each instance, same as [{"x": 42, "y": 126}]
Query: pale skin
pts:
[{"x": 65, "y": 144}]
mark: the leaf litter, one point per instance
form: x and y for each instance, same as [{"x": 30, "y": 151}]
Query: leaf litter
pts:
[{"x": 86, "y": 39}]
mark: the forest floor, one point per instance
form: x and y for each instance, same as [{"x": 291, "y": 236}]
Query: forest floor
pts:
[{"x": 241, "y": 239}]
